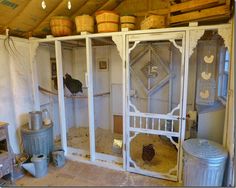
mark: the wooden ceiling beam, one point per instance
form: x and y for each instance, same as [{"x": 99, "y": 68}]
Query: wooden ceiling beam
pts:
[
  {"x": 85, "y": 5},
  {"x": 107, "y": 4},
  {"x": 110, "y": 3},
  {"x": 74, "y": 14},
  {"x": 85, "y": 2}
]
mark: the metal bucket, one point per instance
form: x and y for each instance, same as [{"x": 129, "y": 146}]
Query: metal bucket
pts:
[
  {"x": 58, "y": 158},
  {"x": 204, "y": 163},
  {"x": 35, "y": 120}
]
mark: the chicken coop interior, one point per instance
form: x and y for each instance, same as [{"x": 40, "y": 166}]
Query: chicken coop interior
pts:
[{"x": 117, "y": 93}]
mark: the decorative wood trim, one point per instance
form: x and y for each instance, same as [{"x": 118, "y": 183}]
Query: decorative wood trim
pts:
[
  {"x": 180, "y": 48},
  {"x": 195, "y": 35},
  {"x": 118, "y": 40},
  {"x": 225, "y": 34}
]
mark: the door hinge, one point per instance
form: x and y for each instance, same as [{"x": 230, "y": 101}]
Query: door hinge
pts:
[
  {"x": 125, "y": 147},
  {"x": 182, "y": 118}
]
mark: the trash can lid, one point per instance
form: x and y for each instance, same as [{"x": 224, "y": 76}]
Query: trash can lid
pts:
[
  {"x": 205, "y": 149},
  {"x": 25, "y": 129}
]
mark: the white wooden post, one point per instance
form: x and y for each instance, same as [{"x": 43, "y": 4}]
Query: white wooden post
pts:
[
  {"x": 185, "y": 59},
  {"x": 89, "y": 55},
  {"x": 170, "y": 81},
  {"x": 124, "y": 97},
  {"x": 62, "y": 116}
]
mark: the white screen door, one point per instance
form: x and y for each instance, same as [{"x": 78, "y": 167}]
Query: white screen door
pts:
[{"x": 155, "y": 119}]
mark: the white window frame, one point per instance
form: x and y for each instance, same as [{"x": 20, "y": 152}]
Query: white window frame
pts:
[{"x": 223, "y": 77}]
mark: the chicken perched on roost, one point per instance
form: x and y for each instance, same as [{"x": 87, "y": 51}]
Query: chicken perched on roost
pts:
[
  {"x": 148, "y": 153},
  {"x": 73, "y": 85}
]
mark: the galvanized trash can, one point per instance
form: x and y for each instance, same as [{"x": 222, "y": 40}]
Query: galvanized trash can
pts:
[
  {"x": 204, "y": 163},
  {"x": 38, "y": 141}
]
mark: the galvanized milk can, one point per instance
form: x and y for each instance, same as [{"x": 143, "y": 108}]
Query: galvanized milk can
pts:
[
  {"x": 35, "y": 120},
  {"x": 204, "y": 163}
]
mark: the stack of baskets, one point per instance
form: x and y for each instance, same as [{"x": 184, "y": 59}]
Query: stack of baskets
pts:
[
  {"x": 128, "y": 22},
  {"x": 107, "y": 21},
  {"x": 61, "y": 26}
]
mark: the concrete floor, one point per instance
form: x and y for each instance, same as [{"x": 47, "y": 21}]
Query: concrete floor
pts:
[{"x": 80, "y": 174}]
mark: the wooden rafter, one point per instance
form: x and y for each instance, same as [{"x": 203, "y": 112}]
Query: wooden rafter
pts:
[
  {"x": 75, "y": 14},
  {"x": 116, "y": 6},
  {"x": 85, "y": 2},
  {"x": 109, "y": 4}
]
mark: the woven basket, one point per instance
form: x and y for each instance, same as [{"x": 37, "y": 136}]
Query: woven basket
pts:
[
  {"x": 127, "y": 19},
  {"x": 107, "y": 16},
  {"x": 153, "y": 21},
  {"x": 84, "y": 23},
  {"x": 128, "y": 25},
  {"x": 107, "y": 27},
  {"x": 61, "y": 26}
]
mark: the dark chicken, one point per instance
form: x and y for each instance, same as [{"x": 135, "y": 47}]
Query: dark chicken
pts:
[
  {"x": 73, "y": 85},
  {"x": 148, "y": 153}
]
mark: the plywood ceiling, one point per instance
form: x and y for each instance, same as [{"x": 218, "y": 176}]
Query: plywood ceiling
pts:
[{"x": 27, "y": 18}]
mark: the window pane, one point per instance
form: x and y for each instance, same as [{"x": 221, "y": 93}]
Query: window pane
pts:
[
  {"x": 225, "y": 85},
  {"x": 226, "y": 67},
  {"x": 226, "y": 55}
]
